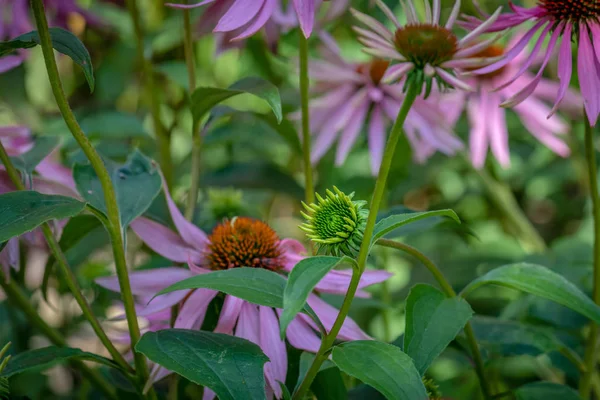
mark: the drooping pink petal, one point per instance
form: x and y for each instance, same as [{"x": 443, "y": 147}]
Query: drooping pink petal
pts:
[
  {"x": 164, "y": 241},
  {"x": 305, "y": 9},
  {"x": 327, "y": 314},
  {"x": 274, "y": 348},
  {"x": 302, "y": 336},
  {"x": 588, "y": 69},
  {"x": 293, "y": 252},
  {"x": 478, "y": 139},
  {"x": 261, "y": 19},
  {"x": 351, "y": 131},
  {"x": 232, "y": 306},
  {"x": 376, "y": 138},
  {"x": 337, "y": 281},
  {"x": 496, "y": 119},
  {"x": 147, "y": 282},
  {"x": 161, "y": 303},
  {"x": 239, "y": 14},
  {"x": 193, "y": 310}
]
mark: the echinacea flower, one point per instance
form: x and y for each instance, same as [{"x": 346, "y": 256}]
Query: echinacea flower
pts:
[
  {"x": 235, "y": 243},
  {"x": 243, "y": 18},
  {"x": 351, "y": 96},
  {"x": 423, "y": 50},
  {"x": 561, "y": 21},
  {"x": 488, "y": 127}
]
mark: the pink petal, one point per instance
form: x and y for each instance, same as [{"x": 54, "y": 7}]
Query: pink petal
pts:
[
  {"x": 588, "y": 71},
  {"x": 478, "y": 139},
  {"x": 351, "y": 131},
  {"x": 337, "y": 281},
  {"x": 327, "y": 314},
  {"x": 496, "y": 118},
  {"x": 376, "y": 138},
  {"x": 188, "y": 6},
  {"x": 239, "y": 14},
  {"x": 147, "y": 282},
  {"x": 164, "y": 241},
  {"x": 258, "y": 22},
  {"x": 208, "y": 394},
  {"x": 232, "y": 306},
  {"x": 161, "y": 303},
  {"x": 293, "y": 251},
  {"x": 274, "y": 348},
  {"x": 194, "y": 309},
  {"x": 305, "y": 9},
  {"x": 565, "y": 67},
  {"x": 248, "y": 326},
  {"x": 302, "y": 336}
]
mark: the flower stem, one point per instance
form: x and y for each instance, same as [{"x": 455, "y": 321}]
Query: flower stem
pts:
[
  {"x": 447, "y": 288},
  {"x": 66, "y": 270},
  {"x": 19, "y": 299},
  {"x": 504, "y": 199},
  {"x": 163, "y": 139},
  {"x": 114, "y": 222},
  {"x": 590, "y": 351},
  {"x": 309, "y": 189},
  {"x": 390, "y": 149},
  {"x": 188, "y": 49}
]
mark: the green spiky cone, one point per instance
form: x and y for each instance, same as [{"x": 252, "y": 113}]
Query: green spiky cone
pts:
[
  {"x": 433, "y": 391},
  {"x": 335, "y": 223}
]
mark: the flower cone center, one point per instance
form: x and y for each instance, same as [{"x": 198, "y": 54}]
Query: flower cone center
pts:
[
  {"x": 424, "y": 44},
  {"x": 244, "y": 242},
  {"x": 490, "y": 52},
  {"x": 376, "y": 70},
  {"x": 572, "y": 10}
]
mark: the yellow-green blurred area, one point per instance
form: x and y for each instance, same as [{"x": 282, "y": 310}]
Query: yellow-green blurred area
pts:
[{"x": 536, "y": 210}]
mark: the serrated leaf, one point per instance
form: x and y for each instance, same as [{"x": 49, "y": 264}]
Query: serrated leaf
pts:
[
  {"x": 392, "y": 222},
  {"x": 432, "y": 322},
  {"x": 23, "y": 211},
  {"x": 230, "y": 366},
  {"x": 44, "y": 358},
  {"x": 205, "y": 98},
  {"x": 63, "y": 41},
  {"x": 42, "y": 147},
  {"x": 542, "y": 282},
  {"x": 383, "y": 366},
  {"x": 136, "y": 184}
]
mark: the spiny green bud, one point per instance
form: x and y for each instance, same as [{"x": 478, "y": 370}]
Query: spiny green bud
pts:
[
  {"x": 335, "y": 223},
  {"x": 433, "y": 391}
]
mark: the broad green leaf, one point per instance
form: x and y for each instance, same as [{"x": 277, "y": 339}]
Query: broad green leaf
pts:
[
  {"x": 306, "y": 359},
  {"x": 63, "y": 41},
  {"x": 513, "y": 337},
  {"x": 254, "y": 175},
  {"x": 136, "y": 184},
  {"x": 27, "y": 161},
  {"x": 432, "y": 322},
  {"x": 230, "y": 366},
  {"x": 205, "y": 98},
  {"x": 383, "y": 366},
  {"x": 44, "y": 358},
  {"x": 113, "y": 125},
  {"x": 255, "y": 285},
  {"x": 329, "y": 385},
  {"x": 546, "y": 391},
  {"x": 392, "y": 222},
  {"x": 542, "y": 282},
  {"x": 23, "y": 211},
  {"x": 300, "y": 283}
]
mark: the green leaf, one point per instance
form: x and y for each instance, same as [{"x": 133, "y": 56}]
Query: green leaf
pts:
[
  {"x": 232, "y": 367},
  {"x": 392, "y": 222},
  {"x": 300, "y": 283},
  {"x": 254, "y": 175},
  {"x": 63, "y": 41},
  {"x": 546, "y": 391},
  {"x": 432, "y": 322},
  {"x": 23, "y": 211},
  {"x": 136, "y": 184},
  {"x": 286, "y": 130},
  {"x": 383, "y": 366},
  {"x": 255, "y": 285},
  {"x": 542, "y": 282},
  {"x": 205, "y": 98},
  {"x": 46, "y": 357},
  {"x": 306, "y": 360},
  {"x": 27, "y": 162},
  {"x": 113, "y": 125}
]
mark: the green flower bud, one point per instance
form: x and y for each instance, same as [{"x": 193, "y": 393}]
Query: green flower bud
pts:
[
  {"x": 433, "y": 390},
  {"x": 336, "y": 223}
]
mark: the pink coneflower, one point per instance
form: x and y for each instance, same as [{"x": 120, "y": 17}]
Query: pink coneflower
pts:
[
  {"x": 559, "y": 21},
  {"x": 488, "y": 120},
  {"x": 355, "y": 95},
  {"x": 243, "y": 18},
  {"x": 235, "y": 243},
  {"x": 423, "y": 50}
]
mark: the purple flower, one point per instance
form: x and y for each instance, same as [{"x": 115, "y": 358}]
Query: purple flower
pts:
[
  {"x": 234, "y": 243},
  {"x": 559, "y": 21},
  {"x": 488, "y": 119},
  {"x": 243, "y": 18},
  {"x": 354, "y": 95},
  {"x": 423, "y": 50}
]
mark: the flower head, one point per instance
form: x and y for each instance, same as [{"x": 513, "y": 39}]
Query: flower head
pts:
[
  {"x": 239, "y": 242},
  {"x": 423, "y": 50},
  {"x": 488, "y": 125},
  {"x": 336, "y": 223},
  {"x": 559, "y": 22}
]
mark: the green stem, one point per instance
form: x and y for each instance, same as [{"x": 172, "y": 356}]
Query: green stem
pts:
[
  {"x": 309, "y": 188},
  {"x": 390, "y": 149},
  {"x": 447, "y": 288},
  {"x": 162, "y": 138},
  {"x": 114, "y": 222},
  {"x": 19, "y": 299},
  {"x": 188, "y": 48},
  {"x": 505, "y": 200},
  {"x": 590, "y": 351},
  {"x": 70, "y": 278}
]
